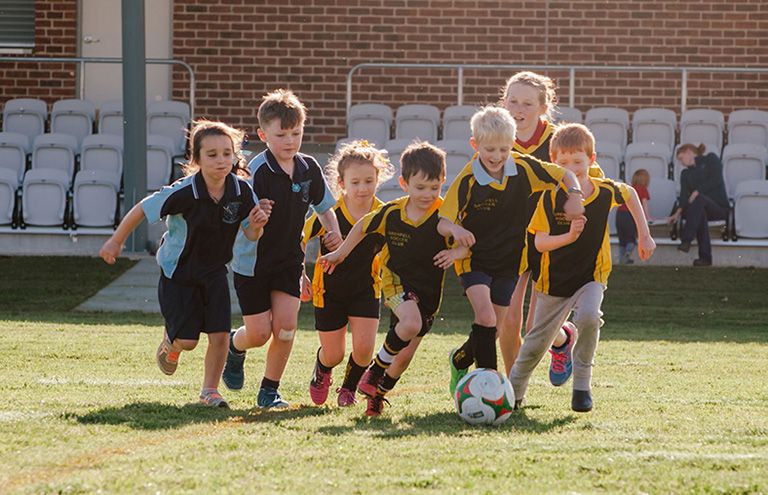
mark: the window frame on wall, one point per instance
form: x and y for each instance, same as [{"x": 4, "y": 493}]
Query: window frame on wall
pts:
[{"x": 17, "y": 26}]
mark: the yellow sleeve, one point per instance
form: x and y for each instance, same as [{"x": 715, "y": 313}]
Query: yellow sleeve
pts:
[
  {"x": 376, "y": 221},
  {"x": 596, "y": 171},
  {"x": 621, "y": 194},
  {"x": 312, "y": 228},
  {"x": 542, "y": 176},
  {"x": 539, "y": 220}
]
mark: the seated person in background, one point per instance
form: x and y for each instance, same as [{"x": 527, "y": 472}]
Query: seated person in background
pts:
[
  {"x": 702, "y": 198},
  {"x": 625, "y": 224}
]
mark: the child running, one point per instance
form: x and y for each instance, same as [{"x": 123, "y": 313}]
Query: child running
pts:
[
  {"x": 350, "y": 296},
  {"x": 204, "y": 212},
  {"x": 268, "y": 272},
  {"x": 414, "y": 259},
  {"x": 575, "y": 264}
]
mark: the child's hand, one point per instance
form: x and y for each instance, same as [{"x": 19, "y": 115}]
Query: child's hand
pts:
[
  {"x": 447, "y": 257},
  {"x": 645, "y": 247},
  {"x": 462, "y": 236},
  {"x": 266, "y": 206},
  {"x": 257, "y": 217},
  {"x": 329, "y": 261},
  {"x": 573, "y": 206},
  {"x": 306, "y": 288},
  {"x": 332, "y": 240},
  {"x": 110, "y": 251},
  {"x": 577, "y": 226}
]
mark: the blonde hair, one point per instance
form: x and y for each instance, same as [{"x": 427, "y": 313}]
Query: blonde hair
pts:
[
  {"x": 641, "y": 177},
  {"x": 284, "y": 105},
  {"x": 572, "y": 138},
  {"x": 545, "y": 86},
  {"x": 493, "y": 123},
  {"x": 202, "y": 129},
  {"x": 360, "y": 151}
]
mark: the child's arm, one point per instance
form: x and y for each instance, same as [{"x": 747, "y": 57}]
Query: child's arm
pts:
[
  {"x": 257, "y": 219},
  {"x": 461, "y": 236},
  {"x": 114, "y": 245},
  {"x": 647, "y": 212},
  {"x": 445, "y": 258},
  {"x": 332, "y": 239},
  {"x": 645, "y": 243},
  {"x": 544, "y": 241},
  {"x": 330, "y": 260}
]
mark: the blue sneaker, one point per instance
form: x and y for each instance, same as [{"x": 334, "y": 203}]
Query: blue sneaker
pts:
[
  {"x": 234, "y": 375},
  {"x": 561, "y": 366},
  {"x": 581, "y": 401},
  {"x": 270, "y": 398}
]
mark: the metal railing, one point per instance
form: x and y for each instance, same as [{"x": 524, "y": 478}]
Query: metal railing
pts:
[
  {"x": 572, "y": 69},
  {"x": 81, "y": 61}
]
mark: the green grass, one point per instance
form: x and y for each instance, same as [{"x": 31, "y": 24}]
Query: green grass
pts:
[{"x": 681, "y": 403}]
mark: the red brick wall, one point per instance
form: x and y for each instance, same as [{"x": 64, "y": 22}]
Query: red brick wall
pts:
[
  {"x": 240, "y": 49},
  {"x": 55, "y": 36}
]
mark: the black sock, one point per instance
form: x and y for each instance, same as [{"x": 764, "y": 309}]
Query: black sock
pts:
[
  {"x": 320, "y": 365},
  {"x": 391, "y": 348},
  {"x": 464, "y": 355},
  {"x": 386, "y": 384},
  {"x": 267, "y": 383},
  {"x": 352, "y": 374},
  {"x": 484, "y": 344}
]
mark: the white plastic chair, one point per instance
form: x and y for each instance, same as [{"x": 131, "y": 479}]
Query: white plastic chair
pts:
[
  {"x": 159, "y": 161},
  {"x": 743, "y": 162},
  {"x": 9, "y": 184},
  {"x": 95, "y": 196},
  {"x": 654, "y": 125},
  {"x": 44, "y": 197},
  {"x": 751, "y": 205},
  {"x": 111, "y": 118},
  {"x": 703, "y": 125},
  {"x": 458, "y": 153},
  {"x": 653, "y": 157},
  {"x": 456, "y": 120},
  {"x": 663, "y": 194},
  {"x": 73, "y": 117},
  {"x": 563, "y": 115},
  {"x": 609, "y": 157},
  {"x": 371, "y": 121},
  {"x": 417, "y": 122},
  {"x": 55, "y": 151},
  {"x": 26, "y": 116},
  {"x": 14, "y": 148},
  {"x": 609, "y": 125},
  {"x": 169, "y": 119},
  {"x": 748, "y": 127},
  {"x": 102, "y": 152}
]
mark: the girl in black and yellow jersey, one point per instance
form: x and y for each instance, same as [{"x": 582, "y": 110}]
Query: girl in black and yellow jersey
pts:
[
  {"x": 575, "y": 265},
  {"x": 350, "y": 296},
  {"x": 531, "y": 99}
]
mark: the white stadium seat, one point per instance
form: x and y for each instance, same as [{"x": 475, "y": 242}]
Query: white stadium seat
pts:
[
  {"x": 111, "y": 118},
  {"x": 14, "y": 148},
  {"x": 169, "y": 119},
  {"x": 73, "y": 117},
  {"x": 9, "y": 183},
  {"x": 742, "y": 162},
  {"x": 95, "y": 196},
  {"x": 751, "y": 204},
  {"x": 567, "y": 114},
  {"x": 55, "y": 151},
  {"x": 44, "y": 197},
  {"x": 417, "y": 122},
  {"x": 371, "y": 121},
  {"x": 26, "y": 116},
  {"x": 102, "y": 152},
  {"x": 159, "y": 161},
  {"x": 609, "y": 157},
  {"x": 612, "y": 230},
  {"x": 654, "y": 125},
  {"x": 456, "y": 120},
  {"x": 458, "y": 152},
  {"x": 653, "y": 157},
  {"x": 705, "y": 126},
  {"x": 391, "y": 189},
  {"x": 748, "y": 127},
  {"x": 663, "y": 194},
  {"x": 609, "y": 125}
]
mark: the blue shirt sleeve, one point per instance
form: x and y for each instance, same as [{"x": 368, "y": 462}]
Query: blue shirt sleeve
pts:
[{"x": 320, "y": 194}]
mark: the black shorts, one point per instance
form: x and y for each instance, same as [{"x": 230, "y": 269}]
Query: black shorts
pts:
[
  {"x": 253, "y": 293},
  {"x": 189, "y": 309},
  {"x": 426, "y": 322},
  {"x": 501, "y": 287},
  {"x": 335, "y": 314}
]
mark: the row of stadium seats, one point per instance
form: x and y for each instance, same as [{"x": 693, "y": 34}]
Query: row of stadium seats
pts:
[{"x": 79, "y": 118}]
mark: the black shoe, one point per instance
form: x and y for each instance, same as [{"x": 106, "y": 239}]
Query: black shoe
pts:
[
  {"x": 701, "y": 262},
  {"x": 581, "y": 401},
  {"x": 684, "y": 246}
]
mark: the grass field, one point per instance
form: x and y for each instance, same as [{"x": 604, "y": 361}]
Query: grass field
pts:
[{"x": 681, "y": 403}]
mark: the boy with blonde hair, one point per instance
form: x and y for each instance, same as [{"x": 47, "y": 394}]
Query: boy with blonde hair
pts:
[
  {"x": 489, "y": 198},
  {"x": 268, "y": 272},
  {"x": 575, "y": 263}
]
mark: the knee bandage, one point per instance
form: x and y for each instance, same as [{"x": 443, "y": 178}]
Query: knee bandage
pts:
[{"x": 286, "y": 335}]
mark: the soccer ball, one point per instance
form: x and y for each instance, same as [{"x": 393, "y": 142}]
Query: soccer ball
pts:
[{"x": 484, "y": 397}]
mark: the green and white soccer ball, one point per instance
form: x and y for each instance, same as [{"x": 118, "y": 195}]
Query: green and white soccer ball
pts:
[{"x": 484, "y": 397}]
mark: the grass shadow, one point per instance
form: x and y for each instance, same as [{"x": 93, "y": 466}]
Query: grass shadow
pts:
[{"x": 159, "y": 416}]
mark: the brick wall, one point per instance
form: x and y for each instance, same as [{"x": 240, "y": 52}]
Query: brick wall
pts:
[
  {"x": 240, "y": 49},
  {"x": 55, "y": 36}
]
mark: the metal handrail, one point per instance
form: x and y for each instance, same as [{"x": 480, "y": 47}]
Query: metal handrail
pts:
[
  {"x": 684, "y": 71},
  {"x": 81, "y": 61}
]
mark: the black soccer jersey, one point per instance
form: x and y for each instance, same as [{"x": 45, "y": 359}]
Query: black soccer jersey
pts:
[
  {"x": 497, "y": 212},
  {"x": 407, "y": 257},
  {"x": 565, "y": 270},
  {"x": 280, "y": 245},
  {"x": 201, "y": 232},
  {"x": 359, "y": 275}
]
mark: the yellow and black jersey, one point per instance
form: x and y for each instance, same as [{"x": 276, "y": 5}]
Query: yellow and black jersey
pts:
[
  {"x": 496, "y": 212},
  {"x": 359, "y": 275},
  {"x": 565, "y": 270},
  {"x": 407, "y": 263}
]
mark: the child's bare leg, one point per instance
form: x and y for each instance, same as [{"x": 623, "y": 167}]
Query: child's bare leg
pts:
[
  {"x": 215, "y": 357},
  {"x": 403, "y": 360},
  {"x": 285, "y": 309},
  {"x": 255, "y": 332},
  {"x": 332, "y": 347},
  {"x": 363, "y": 338}
]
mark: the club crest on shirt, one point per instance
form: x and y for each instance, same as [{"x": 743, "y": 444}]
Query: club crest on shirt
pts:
[
  {"x": 303, "y": 188},
  {"x": 231, "y": 212}
]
